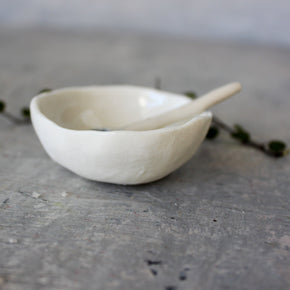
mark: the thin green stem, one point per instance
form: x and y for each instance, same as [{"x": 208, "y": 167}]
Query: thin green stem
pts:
[
  {"x": 11, "y": 118},
  {"x": 251, "y": 143}
]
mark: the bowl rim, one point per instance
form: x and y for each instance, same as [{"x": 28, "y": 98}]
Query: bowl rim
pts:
[{"x": 34, "y": 108}]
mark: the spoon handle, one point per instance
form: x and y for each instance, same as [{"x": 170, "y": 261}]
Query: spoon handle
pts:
[{"x": 188, "y": 110}]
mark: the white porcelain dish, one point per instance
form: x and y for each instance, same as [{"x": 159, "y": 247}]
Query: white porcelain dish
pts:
[{"x": 63, "y": 120}]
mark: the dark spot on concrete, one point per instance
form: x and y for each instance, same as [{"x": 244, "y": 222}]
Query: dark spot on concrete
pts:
[
  {"x": 6, "y": 200},
  {"x": 173, "y": 218},
  {"x": 182, "y": 276},
  {"x": 153, "y": 262},
  {"x": 154, "y": 272},
  {"x": 145, "y": 210},
  {"x": 4, "y": 204},
  {"x": 214, "y": 220},
  {"x": 151, "y": 252},
  {"x": 128, "y": 194},
  {"x": 170, "y": 288}
]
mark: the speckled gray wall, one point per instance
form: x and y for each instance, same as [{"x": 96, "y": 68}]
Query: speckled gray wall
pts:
[{"x": 243, "y": 20}]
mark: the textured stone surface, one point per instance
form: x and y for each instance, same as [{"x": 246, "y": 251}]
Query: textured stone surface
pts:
[{"x": 220, "y": 222}]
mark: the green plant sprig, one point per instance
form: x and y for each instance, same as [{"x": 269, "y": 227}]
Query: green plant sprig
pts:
[
  {"x": 24, "y": 112},
  {"x": 273, "y": 148}
]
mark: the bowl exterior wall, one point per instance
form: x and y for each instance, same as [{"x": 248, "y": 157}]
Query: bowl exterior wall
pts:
[{"x": 123, "y": 157}]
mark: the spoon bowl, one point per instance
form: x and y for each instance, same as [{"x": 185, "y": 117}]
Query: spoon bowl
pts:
[{"x": 63, "y": 120}]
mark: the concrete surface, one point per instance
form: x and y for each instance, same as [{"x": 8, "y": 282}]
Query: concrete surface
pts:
[{"x": 222, "y": 221}]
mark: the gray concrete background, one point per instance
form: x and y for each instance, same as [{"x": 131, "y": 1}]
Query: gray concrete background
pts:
[
  {"x": 240, "y": 20},
  {"x": 222, "y": 221}
]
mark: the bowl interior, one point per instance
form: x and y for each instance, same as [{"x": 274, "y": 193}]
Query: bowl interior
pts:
[{"x": 105, "y": 107}]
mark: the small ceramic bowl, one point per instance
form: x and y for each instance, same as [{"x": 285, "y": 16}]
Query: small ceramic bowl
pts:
[{"x": 64, "y": 120}]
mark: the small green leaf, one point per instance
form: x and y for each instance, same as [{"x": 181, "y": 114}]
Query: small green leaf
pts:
[
  {"x": 212, "y": 133},
  {"x": 241, "y": 134},
  {"x": 2, "y": 106},
  {"x": 46, "y": 90},
  {"x": 277, "y": 146},
  {"x": 191, "y": 94},
  {"x": 25, "y": 112}
]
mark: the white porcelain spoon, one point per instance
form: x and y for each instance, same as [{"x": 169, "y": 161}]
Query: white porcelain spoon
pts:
[{"x": 186, "y": 111}]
